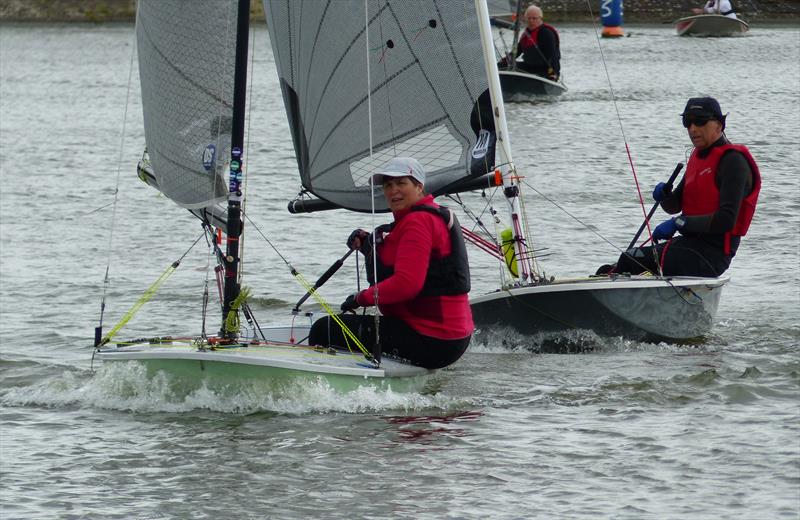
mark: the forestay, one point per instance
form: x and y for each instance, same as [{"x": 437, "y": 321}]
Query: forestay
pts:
[
  {"x": 186, "y": 64},
  {"x": 407, "y": 86}
]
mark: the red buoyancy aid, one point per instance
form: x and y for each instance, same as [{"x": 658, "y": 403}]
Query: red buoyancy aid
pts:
[
  {"x": 531, "y": 38},
  {"x": 701, "y": 194}
]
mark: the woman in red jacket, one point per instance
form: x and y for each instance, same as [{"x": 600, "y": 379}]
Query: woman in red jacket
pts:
[{"x": 419, "y": 279}]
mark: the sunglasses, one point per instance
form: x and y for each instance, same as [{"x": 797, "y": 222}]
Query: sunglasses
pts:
[{"x": 696, "y": 121}]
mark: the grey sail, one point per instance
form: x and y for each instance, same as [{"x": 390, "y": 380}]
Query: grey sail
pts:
[
  {"x": 186, "y": 65},
  {"x": 407, "y": 86},
  {"x": 501, "y": 7}
]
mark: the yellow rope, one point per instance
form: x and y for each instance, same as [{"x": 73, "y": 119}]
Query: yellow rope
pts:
[
  {"x": 232, "y": 322},
  {"x": 232, "y": 319},
  {"x": 345, "y": 329},
  {"x": 142, "y": 300}
]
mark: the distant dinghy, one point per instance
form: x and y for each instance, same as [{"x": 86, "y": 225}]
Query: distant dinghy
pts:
[
  {"x": 710, "y": 25},
  {"x": 519, "y": 85}
]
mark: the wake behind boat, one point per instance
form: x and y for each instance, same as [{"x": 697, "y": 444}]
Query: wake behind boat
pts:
[{"x": 710, "y": 25}]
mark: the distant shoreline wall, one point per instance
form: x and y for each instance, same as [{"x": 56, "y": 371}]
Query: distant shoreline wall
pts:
[{"x": 635, "y": 11}]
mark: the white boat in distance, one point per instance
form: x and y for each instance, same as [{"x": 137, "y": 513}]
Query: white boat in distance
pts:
[{"x": 710, "y": 25}]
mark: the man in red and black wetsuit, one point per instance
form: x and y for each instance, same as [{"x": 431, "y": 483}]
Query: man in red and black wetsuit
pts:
[
  {"x": 717, "y": 197},
  {"x": 539, "y": 46},
  {"x": 422, "y": 276}
]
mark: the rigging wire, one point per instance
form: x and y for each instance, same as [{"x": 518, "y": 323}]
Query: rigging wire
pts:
[
  {"x": 149, "y": 293},
  {"x": 106, "y": 281},
  {"x": 619, "y": 119},
  {"x": 371, "y": 178}
]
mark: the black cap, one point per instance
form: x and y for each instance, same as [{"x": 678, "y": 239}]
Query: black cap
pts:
[
  {"x": 707, "y": 107},
  {"x": 704, "y": 107}
]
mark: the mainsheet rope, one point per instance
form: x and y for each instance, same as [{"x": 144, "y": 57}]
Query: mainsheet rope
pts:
[{"x": 309, "y": 287}]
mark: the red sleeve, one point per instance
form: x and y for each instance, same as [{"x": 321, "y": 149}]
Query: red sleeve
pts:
[{"x": 411, "y": 262}]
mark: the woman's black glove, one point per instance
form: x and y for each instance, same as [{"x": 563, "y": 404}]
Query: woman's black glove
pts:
[
  {"x": 350, "y": 304},
  {"x": 361, "y": 240}
]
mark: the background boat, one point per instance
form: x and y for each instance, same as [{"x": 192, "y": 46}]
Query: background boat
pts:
[
  {"x": 517, "y": 84},
  {"x": 710, "y": 25},
  {"x": 643, "y": 308}
]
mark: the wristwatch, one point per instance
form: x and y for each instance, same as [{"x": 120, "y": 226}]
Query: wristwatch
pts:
[{"x": 680, "y": 221}]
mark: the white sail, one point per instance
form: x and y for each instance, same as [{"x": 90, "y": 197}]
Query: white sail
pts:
[
  {"x": 365, "y": 81},
  {"x": 186, "y": 65}
]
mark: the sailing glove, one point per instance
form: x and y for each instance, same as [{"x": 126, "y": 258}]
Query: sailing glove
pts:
[
  {"x": 358, "y": 234},
  {"x": 665, "y": 230},
  {"x": 661, "y": 191},
  {"x": 350, "y": 304}
]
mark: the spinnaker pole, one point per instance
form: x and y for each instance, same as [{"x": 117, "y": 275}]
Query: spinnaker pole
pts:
[
  {"x": 510, "y": 186},
  {"x": 231, "y": 260}
]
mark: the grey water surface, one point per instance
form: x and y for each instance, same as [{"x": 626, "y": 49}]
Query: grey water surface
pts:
[{"x": 625, "y": 430}]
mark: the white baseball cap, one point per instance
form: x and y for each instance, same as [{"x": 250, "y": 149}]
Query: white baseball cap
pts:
[{"x": 400, "y": 167}]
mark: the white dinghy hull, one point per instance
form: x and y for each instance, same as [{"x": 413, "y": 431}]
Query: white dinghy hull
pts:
[
  {"x": 277, "y": 362},
  {"x": 710, "y": 25},
  {"x": 635, "y": 307}
]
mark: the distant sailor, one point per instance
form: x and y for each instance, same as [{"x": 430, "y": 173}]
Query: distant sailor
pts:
[
  {"x": 722, "y": 7},
  {"x": 538, "y": 46},
  {"x": 716, "y": 198},
  {"x": 422, "y": 277}
]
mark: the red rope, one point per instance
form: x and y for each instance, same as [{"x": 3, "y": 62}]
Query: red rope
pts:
[
  {"x": 664, "y": 255},
  {"x": 638, "y": 190}
]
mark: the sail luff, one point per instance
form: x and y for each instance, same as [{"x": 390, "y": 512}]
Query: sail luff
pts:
[{"x": 232, "y": 288}]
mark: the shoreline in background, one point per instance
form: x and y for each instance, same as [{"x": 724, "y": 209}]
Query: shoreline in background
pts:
[{"x": 635, "y": 11}]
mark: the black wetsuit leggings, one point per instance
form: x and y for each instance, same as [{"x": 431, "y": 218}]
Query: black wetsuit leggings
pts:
[
  {"x": 684, "y": 256},
  {"x": 397, "y": 338}
]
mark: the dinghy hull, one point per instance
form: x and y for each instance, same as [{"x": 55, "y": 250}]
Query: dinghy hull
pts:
[
  {"x": 522, "y": 86},
  {"x": 278, "y": 363},
  {"x": 710, "y": 25},
  {"x": 639, "y": 307}
]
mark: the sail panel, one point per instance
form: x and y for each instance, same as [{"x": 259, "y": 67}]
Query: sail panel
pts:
[
  {"x": 355, "y": 97},
  {"x": 186, "y": 54},
  {"x": 501, "y": 7}
]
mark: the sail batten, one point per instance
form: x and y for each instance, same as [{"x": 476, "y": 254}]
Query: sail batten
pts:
[{"x": 417, "y": 95}]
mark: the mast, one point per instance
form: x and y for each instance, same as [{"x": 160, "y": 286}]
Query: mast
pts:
[
  {"x": 510, "y": 187},
  {"x": 232, "y": 288}
]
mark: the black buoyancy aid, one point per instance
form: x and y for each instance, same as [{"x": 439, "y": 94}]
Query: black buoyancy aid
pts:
[{"x": 447, "y": 276}]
